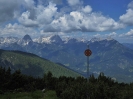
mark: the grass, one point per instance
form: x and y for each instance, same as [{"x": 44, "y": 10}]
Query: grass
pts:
[
  {"x": 30, "y": 95},
  {"x": 50, "y": 95}
]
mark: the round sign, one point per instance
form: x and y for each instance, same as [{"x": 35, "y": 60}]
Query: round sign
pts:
[{"x": 88, "y": 52}]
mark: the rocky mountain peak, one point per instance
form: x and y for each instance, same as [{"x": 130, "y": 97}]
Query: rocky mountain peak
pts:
[
  {"x": 55, "y": 38},
  {"x": 27, "y": 38}
]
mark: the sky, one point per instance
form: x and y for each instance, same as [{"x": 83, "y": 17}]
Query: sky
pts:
[{"x": 83, "y": 19}]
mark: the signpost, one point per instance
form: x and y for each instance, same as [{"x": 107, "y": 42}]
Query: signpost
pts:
[{"x": 88, "y": 53}]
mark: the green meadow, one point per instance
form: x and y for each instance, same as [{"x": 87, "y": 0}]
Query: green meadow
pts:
[{"x": 30, "y": 95}]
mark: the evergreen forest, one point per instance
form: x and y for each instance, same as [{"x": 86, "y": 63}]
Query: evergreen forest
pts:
[{"x": 100, "y": 87}]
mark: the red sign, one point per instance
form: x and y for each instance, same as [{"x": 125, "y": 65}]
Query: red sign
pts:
[{"x": 88, "y": 52}]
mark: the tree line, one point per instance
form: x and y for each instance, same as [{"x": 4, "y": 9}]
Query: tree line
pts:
[{"x": 101, "y": 87}]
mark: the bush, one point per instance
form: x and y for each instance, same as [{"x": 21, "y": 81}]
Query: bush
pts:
[
  {"x": 37, "y": 94},
  {"x": 1, "y": 92}
]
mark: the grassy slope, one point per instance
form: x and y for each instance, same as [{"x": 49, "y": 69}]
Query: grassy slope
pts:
[
  {"x": 30, "y": 95},
  {"x": 32, "y": 65}
]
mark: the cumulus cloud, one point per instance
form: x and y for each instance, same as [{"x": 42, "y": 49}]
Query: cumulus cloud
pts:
[
  {"x": 42, "y": 15},
  {"x": 97, "y": 35},
  {"x": 16, "y": 30},
  {"x": 26, "y": 21},
  {"x": 8, "y": 9},
  {"x": 73, "y": 2},
  {"x": 130, "y": 5},
  {"x": 127, "y": 18},
  {"x": 110, "y": 35},
  {"x": 47, "y": 16},
  {"x": 113, "y": 34},
  {"x": 87, "y": 9},
  {"x": 128, "y": 34},
  {"x": 85, "y": 22},
  {"x": 29, "y": 3},
  {"x": 46, "y": 2},
  {"x": 55, "y": 1}
]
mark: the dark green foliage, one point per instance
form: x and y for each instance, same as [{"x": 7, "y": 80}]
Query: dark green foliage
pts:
[
  {"x": 50, "y": 81},
  {"x": 50, "y": 94},
  {"x": 96, "y": 88},
  {"x": 101, "y": 87},
  {"x": 19, "y": 82}
]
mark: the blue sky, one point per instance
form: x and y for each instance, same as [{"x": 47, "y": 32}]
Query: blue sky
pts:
[{"x": 68, "y": 18}]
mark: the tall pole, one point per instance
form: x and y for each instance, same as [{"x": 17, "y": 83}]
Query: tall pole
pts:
[
  {"x": 88, "y": 74},
  {"x": 88, "y": 77},
  {"x": 88, "y": 66},
  {"x": 88, "y": 53}
]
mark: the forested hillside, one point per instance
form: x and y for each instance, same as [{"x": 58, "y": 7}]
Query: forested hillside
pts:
[
  {"x": 101, "y": 87},
  {"x": 31, "y": 64}
]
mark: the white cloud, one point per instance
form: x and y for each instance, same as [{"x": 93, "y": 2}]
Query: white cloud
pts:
[
  {"x": 56, "y": 1},
  {"x": 73, "y": 2},
  {"x": 49, "y": 18},
  {"x": 24, "y": 19},
  {"x": 11, "y": 9},
  {"x": 85, "y": 22},
  {"x": 110, "y": 35},
  {"x": 97, "y": 35},
  {"x": 127, "y": 18},
  {"x": 8, "y": 9},
  {"x": 130, "y": 5},
  {"x": 46, "y": 14},
  {"x": 113, "y": 34},
  {"x": 127, "y": 35},
  {"x": 42, "y": 15},
  {"x": 29, "y": 3},
  {"x": 130, "y": 33},
  {"x": 87, "y": 9},
  {"x": 16, "y": 30}
]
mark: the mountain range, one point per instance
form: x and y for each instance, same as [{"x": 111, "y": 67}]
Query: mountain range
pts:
[
  {"x": 108, "y": 55},
  {"x": 129, "y": 45}
]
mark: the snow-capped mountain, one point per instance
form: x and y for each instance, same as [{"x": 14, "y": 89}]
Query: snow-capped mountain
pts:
[
  {"x": 26, "y": 40},
  {"x": 8, "y": 40},
  {"x": 108, "y": 55},
  {"x": 95, "y": 39},
  {"x": 56, "y": 39},
  {"x": 42, "y": 39},
  {"x": 49, "y": 40},
  {"x": 72, "y": 40}
]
